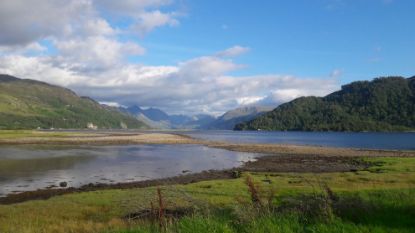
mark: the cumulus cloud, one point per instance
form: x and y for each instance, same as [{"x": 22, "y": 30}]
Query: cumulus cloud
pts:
[
  {"x": 23, "y": 22},
  {"x": 141, "y": 12},
  {"x": 149, "y": 20},
  {"x": 94, "y": 52},
  {"x": 90, "y": 56},
  {"x": 183, "y": 88}
]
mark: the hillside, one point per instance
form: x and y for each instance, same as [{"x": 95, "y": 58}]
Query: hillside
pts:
[
  {"x": 29, "y": 104},
  {"x": 156, "y": 118},
  {"x": 384, "y": 104},
  {"x": 153, "y": 114},
  {"x": 239, "y": 115}
]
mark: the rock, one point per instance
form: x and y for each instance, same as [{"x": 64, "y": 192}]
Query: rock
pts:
[{"x": 63, "y": 184}]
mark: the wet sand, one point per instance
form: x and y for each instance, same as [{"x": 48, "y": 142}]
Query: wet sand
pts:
[{"x": 102, "y": 139}]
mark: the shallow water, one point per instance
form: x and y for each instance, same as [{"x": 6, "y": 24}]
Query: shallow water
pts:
[
  {"x": 26, "y": 168},
  {"x": 372, "y": 140}
]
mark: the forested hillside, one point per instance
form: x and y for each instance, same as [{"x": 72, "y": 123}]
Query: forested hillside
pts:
[
  {"x": 384, "y": 104},
  {"x": 29, "y": 104}
]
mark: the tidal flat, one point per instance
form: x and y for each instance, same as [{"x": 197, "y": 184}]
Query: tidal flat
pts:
[{"x": 287, "y": 188}]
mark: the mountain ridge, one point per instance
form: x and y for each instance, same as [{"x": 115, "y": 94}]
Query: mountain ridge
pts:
[
  {"x": 383, "y": 104},
  {"x": 160, "y": 119},
  {"x": 232, "y": 117},
  {"x": 30, "y": 104}
]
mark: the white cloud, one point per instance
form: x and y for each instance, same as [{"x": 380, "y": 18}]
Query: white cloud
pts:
[
  {"x": 23, "y": 22},
  {"x": 148, "y": 21},
  {"x": 39, "y": 68},
  {"x": 97, "y": 27},
  {"x": 142, "y": 13},
  {"x": 194, "y": 86},
  {"x": 129, "y": 7},
  {"x": 33, "y": 47},
  {"x": 112, "y": 104},
  {"x": 247, "y": 100},
  {"x": 90, "y": 57},
  {"x": 203, "y": 67},
  {"x": 94, "y": 52},
  {"x": 233, "y": 51}
]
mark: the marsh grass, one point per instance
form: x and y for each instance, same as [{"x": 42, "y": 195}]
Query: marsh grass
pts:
[
  {"x": 327, "y": 211},
  {"x": 299, "y": 205}
]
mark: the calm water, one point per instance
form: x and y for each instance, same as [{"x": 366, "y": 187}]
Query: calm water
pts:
[
  {"x": 401, "y": 141},
  {"x": 29, "y": 168}
]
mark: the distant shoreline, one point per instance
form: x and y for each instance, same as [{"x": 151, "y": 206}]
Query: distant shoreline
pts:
[{"x": 125, "y": 137}]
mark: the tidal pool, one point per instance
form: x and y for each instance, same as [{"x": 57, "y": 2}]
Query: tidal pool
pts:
[{"x": 24, "y": 168}]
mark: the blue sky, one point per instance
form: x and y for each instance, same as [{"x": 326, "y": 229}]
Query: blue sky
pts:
[
  {"x": 362, "y": 38},
  {"x": 202, "y": 56}
]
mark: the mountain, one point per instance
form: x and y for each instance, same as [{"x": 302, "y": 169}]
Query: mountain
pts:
[
  {"x": 153, "y": 114},
  {"x": 159, "y": 119},
  {"x": 180, "y": 119},
  {"x": 200, "y": 121},
  {"x": 239, "y": 115},
  {"x": 30, "y": 104},
  {"x": 153, "y": 124},
  {"x": 383, "y": 104},
  {"x": 156, "y": 114}
]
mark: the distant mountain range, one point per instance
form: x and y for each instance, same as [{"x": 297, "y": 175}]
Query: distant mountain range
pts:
[
  {"x": 384, "y": 104},
  {"x": 160, "y": 119},
  {"x": 29, "y": 104},
  {"x": 239, "y": 115},
  {"x": 157, "y": 118}
]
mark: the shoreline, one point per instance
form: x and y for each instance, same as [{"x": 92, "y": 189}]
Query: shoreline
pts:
[
  {"x": 275, "y": 158},
  {"x": 42, "y": 138},
  {"x": 265, "y": 163},
  {"x": 126, "y": 138}
]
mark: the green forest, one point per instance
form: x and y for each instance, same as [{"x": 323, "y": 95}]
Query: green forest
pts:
[{"x": 383, "y": 104}]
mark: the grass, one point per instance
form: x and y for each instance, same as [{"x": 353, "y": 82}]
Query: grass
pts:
[
  {"x": 18, "y": 134},
  {"x": 380, "y": 199}
]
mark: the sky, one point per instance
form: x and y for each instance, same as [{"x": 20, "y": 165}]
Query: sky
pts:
[{"x": 197, "y": 56}]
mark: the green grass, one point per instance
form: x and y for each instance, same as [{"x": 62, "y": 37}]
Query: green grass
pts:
[
  {"x": 381, "y": 199},
  {"x": 16, "y": 134},
  {"x": 374, "y": 211}
]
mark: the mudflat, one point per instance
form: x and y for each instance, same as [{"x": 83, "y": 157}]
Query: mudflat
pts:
[
  {"x": 120, "y": 138},
  {"x": 89, "y": 138},
  {"x": 282, "y": 149}
]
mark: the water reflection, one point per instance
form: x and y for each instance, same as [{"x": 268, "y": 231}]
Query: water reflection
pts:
[
  {"x": 30, "y": 168},
  {"x": 370, "y": 140}
]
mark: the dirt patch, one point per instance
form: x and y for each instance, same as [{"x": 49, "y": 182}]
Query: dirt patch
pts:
[
  {"x": 305, "y": 163},
  {"x": 295, "y": 150}
]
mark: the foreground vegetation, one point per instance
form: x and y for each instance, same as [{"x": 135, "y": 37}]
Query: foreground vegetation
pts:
[
  {"x": 384, "y": 104},
  {"x": 379, "y": 199}
]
